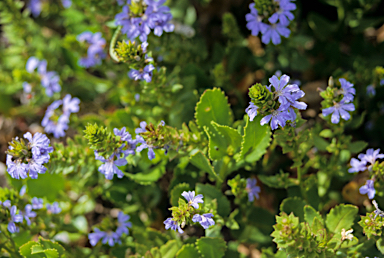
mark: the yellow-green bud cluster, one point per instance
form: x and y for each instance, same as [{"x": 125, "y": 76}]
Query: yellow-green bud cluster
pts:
[
  {"x": 265, "y": 7},
  {"x": 262, "y": 97},
  {"x": 131, "y": 54}
]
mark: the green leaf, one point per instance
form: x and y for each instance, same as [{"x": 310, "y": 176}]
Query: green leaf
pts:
[
  {"x": 231, "y": 136},
  {"x": 341, "y": 216},
  {"x": 217, "y": 146},
  {"x": 47, "y": 244},
  {"x": 170, "y": 249},
  {"x": 210, "y": 192},
  {"x": 311, "y": 191},
  {"x": 213, "y": 106},
  {"x": 48, "y": 185},
  {"x": 256, "y": 140},
  {"x": 148, "y": 177},
  {"x": 281, "y": 180},
  {"x": 380, "y": 245},
  {"x": 265, "y": 219},
  {"x": 177, "y": 191},
  {"x": 187, "y": 251},
  {"x": 51, "y": 253},
  {"x": 295, "y": 205},
  {"x": 320, "y": 143},
  {"x": 201, "y": 161},
  {"x": 210, "y": 247},
  {"x": 36, "y": 249},
  {"x": 25, "y": 250},
  {"x": 357, "y": 147},
  {"x": 310, "y": 213}
]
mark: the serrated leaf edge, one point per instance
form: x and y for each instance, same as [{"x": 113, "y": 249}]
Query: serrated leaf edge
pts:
[{"x": 223, "y": 247}]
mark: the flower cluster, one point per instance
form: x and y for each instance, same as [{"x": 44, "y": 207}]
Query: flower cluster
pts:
[
  {"x": 144, "y": 72},
  {"x": 139, "y": 17},
  {"x": 277, "y": 103},
  {"x": 112, "y": 237},
  {"x": 271, "y": 22},
  {"x": 53, "y": 208},
  {"x": 48, "y": 79},
  {"x": 23, "y": 158},
  {"x": 95, "y": 51},
  {"x": 181, "y": 214},
  {"x": 118, "y": 157},
  {"x": 55, "y": 121},
  {"x": 341, "y": 99},
  {"x": 366, "y": 162},
  {"x": 35, "y": 6}
]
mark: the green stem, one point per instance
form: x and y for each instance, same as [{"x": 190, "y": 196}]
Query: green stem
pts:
[{"x": 112, "y": 45}]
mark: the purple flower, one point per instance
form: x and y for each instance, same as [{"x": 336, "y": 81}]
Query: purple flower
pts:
[
  {"x": 32, "y": 64},
  {"x": 35, "y": 7},
  {"x": 357, "y": 166},
  {"x": 16, "y": 169},
  {"x": 109, "y": 168},
  {"x": 371, "y": 91},
  {"x": 287, "y": 94},
  {"x": 95, "y": 52},
  {"x": 192, "y": 199},
  {"x": 123, "y": 224},
  {"x": 172, "y": 224},
  {"x": 283, "y": 14},
  {"x": 273, "y": 33},
  {"x": 252, "y": 189},
  {"x": 205, "y": 220},
  {"x": 369, "y": 189},
  {"x": 347, "y": 90},
  {"x": 254, "y": 21},
  {"x": 145, "y": 74},
  {"x": 40, "y": 145},
  {"x": 124, "y": 136},
  {"x": 15, "y": 217},
  {"x": 28, "y": 213},
  {"x": 37, "y": 203},
  {"x": 70, "y": 105},
  {"x": 144, "y": 145},
  {"x": 371, "y": 156},
  {"x": 7, "y": 203},
  {"x": 278, "y": 117},
  {"x": 339, "y": 109},
  {"x": 54, "y": 208},
  {"x": 23, "y": 190},
  {"x": 95, "y": 237},
  {"x": 142, "y": 128},
  {"x": 66, "y": 3},
  {"x": 251, "y": 110}
]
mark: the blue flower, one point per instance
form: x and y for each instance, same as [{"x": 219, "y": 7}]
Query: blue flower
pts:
[
  {"x": 369, "y": 189},
  {"x": 274, "y": 32},
  {"x": 283, "y": 15},
  {"x": 371, "y": 91},
  {"x": 107, "y": 237},
  {"x": 277, "y": 117},
  {"x": 59, "y": 124},
  {"x": 339, "y": 110},
  {"x": 254, "y": 21},
  {"x": 287, "y": 94},
  {"x": 54, "y": 208},
  {"x": 49, "y": 80},
  {"x": 172, "y": 224},
  {"x": 252, "y": 189},
  {"x": 144, "y": 145},
  {"x": 7, "y": 203},
  {"x": 251, "y": 110},
  {"x": 357, "y": 166},
  {"x": 142, "y": 128},
  {"x": 40, "y": 145},
  {"x": 205, "y": 220},
  {"x": 23, "y": 190},
  {"x": 15, "y": 218},
  {"x": 95, "y": 52},
  {"x": 35, "y": 7},
  {"x": 66, "y": 3},
  {"x": 109, "y": 168},
  {"x": 144, "y": 74},
  {"x": 192, "y": 199},
  {"x": 17, "y": 169},
  {"x": 37, "y": 203},
  {"x": 36, "y": 167},
  {"x": 347, "y": 90},
  {"x": 123, "y": 224},
  {"x": 371, "y": 156},
  {"x": 28, "y": 213}
]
